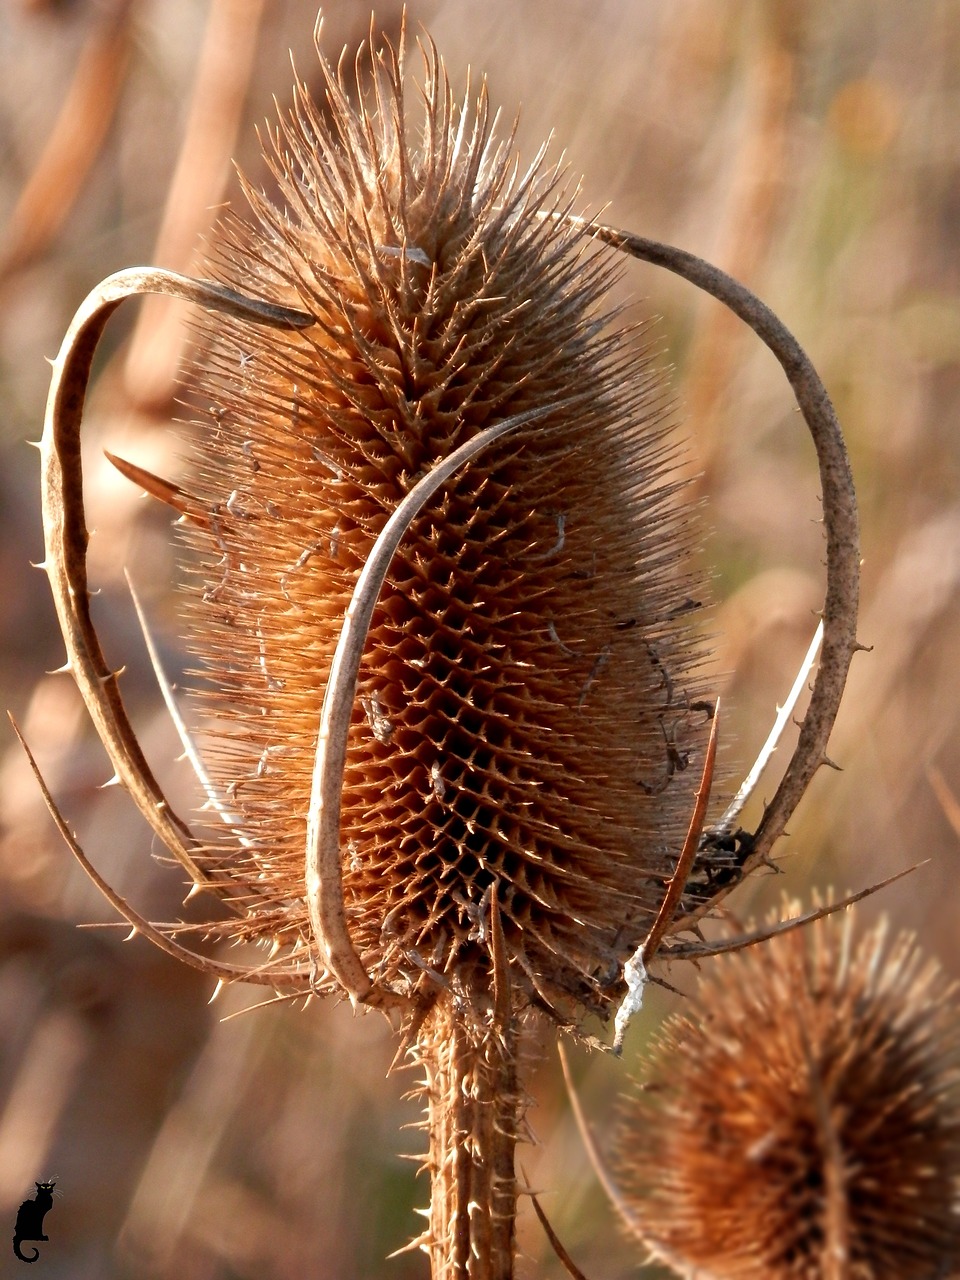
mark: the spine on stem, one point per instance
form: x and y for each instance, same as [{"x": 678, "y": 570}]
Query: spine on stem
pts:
[{"x": 474, "y": 1115}]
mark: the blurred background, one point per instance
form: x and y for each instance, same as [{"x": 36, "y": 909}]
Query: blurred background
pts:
[{"x": 810, "y": 148}]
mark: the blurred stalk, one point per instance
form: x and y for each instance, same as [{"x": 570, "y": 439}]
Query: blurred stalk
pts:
[
  {"x": 219, "y": 93},
  {"x": 51, "y": 192}
]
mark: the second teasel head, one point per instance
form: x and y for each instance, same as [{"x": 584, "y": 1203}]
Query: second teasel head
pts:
[
  {"x": 803, "y": 1122},
  {"x": 527, "y": 700}
]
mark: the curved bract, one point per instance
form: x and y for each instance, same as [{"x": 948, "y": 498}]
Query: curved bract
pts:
[{"x": 841, "y": 522}]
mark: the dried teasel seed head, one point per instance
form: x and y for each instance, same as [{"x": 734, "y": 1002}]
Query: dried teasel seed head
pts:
[
  {"x": 526, "y": 702},
  {"x": 804, "y": 1124}
]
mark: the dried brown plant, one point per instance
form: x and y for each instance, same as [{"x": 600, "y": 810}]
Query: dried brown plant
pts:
[
  {"x": 803, "y": 1122},
  {"x": 449, "y": 707}
]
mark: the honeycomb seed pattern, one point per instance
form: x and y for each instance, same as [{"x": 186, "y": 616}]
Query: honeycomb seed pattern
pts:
[{"x": 524, "y": 718}]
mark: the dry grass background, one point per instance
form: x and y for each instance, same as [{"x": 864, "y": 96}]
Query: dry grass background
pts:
[{"x": 811, "y": 149}]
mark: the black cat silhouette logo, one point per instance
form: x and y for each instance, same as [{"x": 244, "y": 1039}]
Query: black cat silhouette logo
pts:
[{"x": 30, "y": 1220}]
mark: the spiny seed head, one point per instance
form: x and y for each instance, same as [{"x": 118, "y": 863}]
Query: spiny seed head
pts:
[
  {"x": 524, "y": 708},
  {"x": 805, "y": 1123}
]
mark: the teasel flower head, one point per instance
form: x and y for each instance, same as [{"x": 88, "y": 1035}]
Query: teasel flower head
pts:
[
  {"x": 524, "y": 703},
  {"x": 804, "y": 1122}
]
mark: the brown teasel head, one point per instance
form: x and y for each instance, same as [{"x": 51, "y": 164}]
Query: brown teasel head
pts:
[
  {"x": 527, "y": 700},
  {"x": 805, "y": 1123}
]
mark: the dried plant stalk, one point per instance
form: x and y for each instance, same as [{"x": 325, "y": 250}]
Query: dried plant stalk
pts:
[
  {"x": 474, "y": 1104},
  {"x": 69, "y": 155},
  {"x": 220, "y": 86}
]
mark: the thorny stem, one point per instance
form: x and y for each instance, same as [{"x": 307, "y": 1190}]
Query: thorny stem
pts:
[
  {"x": 65, "y": 531},
  {"x": 839, "y": 517},
  {"x": 474, "y": 1107}
]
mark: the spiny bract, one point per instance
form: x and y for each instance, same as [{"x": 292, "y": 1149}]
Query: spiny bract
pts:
[{"x": 526, "y": 700}]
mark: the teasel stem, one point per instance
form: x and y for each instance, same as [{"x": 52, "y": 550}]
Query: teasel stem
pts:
[{"x": 474, "y": 1107}]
